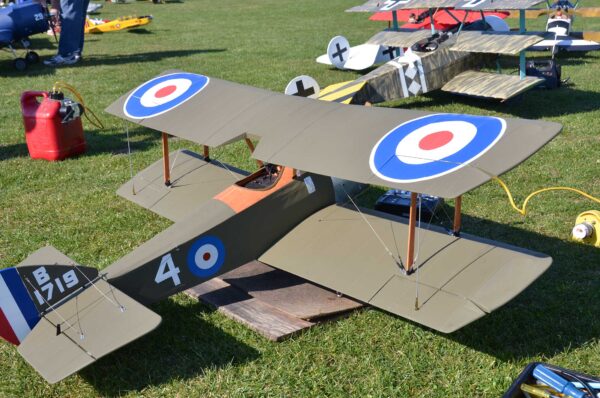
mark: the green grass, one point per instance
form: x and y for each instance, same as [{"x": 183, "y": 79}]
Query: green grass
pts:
[{"x": 198, "y": 352}]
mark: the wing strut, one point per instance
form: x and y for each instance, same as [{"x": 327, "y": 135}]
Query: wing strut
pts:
[
  {"x": 412, "y": 221},
  {"x": 251, "y": 147},
  {"x": 457, "y": 216},
  {"x": 165, "y": 148}
]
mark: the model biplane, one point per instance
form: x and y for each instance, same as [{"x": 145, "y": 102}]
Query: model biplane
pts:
[
  {"x": 295, "y": 213},
  {"x": 343, "y": 56},
  {"x": 444, "y": 60},
  {"x": 559, "y": 34},
  {"x": 104, "y": 26}
]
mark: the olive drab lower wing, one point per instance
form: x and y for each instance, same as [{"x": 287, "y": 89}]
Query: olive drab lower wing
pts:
[
  {"x": 458, "y": 279},
  {"x": 194, "y": 180}
]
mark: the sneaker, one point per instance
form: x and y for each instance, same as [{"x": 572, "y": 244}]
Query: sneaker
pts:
[{"x": 59, "y": 60}]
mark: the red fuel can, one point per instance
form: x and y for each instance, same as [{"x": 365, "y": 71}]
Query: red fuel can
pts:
[{"x": 51, "y": 132}]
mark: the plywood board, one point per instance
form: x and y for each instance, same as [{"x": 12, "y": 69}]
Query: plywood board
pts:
[
  {"x": 272, "y": 323},
  {"x": 287, "y": 292}
]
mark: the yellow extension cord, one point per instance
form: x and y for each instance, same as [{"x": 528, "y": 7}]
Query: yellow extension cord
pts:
[
  {"x": 523, "y": 210},
  {"x": 62, "y": 85}
]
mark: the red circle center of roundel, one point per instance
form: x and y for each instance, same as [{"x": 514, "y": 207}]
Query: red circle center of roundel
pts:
[
  {"x": 167, "y": 90},
  {"x": 435, "y": 140},
  {"x": 206, "y": 256}
]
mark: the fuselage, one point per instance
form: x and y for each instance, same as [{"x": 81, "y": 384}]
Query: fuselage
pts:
[{"x": 233, "y": 228}]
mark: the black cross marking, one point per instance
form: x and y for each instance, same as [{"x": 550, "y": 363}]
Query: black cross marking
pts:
[
  {"x": 340, "y": 52},
  {"x": 302, "y": 92},
  {"x": 390, "y": 51}
]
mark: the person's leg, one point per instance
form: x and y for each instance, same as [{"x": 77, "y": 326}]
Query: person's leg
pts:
[
  {"x": 84, "y": 8},
  {"x": 72, "y": 23}
]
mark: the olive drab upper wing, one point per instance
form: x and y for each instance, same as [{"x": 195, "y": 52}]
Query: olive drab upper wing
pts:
[{"x": 440, "y": 154}]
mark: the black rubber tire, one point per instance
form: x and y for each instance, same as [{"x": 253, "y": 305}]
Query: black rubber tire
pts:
[
  {"x": 32, "y": 57},
  {"x": 20, "y": 64}
]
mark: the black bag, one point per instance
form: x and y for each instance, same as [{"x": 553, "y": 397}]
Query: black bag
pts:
[{"x": 548, "y": 70}]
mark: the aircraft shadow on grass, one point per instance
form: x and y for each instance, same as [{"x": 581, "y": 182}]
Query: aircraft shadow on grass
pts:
[
  {"x": 534, "y": 104},
  {"x": 7, "y": 69},
  {"x": 119, "y": 59},
  {"x": 184, "y": 346}
]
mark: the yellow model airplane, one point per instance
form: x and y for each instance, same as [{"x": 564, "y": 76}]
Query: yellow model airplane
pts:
[{"x": 102, "y": 26}]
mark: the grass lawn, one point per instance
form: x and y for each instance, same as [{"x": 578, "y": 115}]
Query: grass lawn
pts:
[{"x": 72, "y": 205}]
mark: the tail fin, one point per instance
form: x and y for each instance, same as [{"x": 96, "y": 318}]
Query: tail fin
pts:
[
  {"x": 64, "y": 316},
  {"x": 34, "y": 287},
  {"x": 338, "y": 51},
  {"x": 303, "y": 86}
]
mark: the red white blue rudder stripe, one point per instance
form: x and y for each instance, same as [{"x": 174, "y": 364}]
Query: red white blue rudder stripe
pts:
[
  {"x": 18, "y": 314},
  {"x": 162, "y": 94},
  {"x": 433, "y": 145}
]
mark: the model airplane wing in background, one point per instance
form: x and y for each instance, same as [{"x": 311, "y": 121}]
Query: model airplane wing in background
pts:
[
  {"x": 486, "y": 5},
  {"x": 448, "y": 60},
  {"x": 291, "y": 209}
]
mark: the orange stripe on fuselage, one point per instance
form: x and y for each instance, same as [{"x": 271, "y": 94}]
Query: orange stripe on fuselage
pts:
[{"x": 240, "y": 198}]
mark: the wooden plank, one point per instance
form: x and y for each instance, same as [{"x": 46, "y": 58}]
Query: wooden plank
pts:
[
  {"x": 267, "y": 320},
  {"x": 287, "y": 292}
]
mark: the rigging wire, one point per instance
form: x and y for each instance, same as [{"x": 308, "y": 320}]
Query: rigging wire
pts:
[
  {"x": 398, "y": 260},
  {"x": 54, "y": 310}
]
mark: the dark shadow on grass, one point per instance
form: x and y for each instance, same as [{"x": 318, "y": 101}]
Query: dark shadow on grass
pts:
[
  {"x": 7, "y": 69},
  {"x": 140, "y": 31},
  {"x": 116, "y": 143},
  {"x": 119, "y": 59},
  {"x": 182, "y": 347},
  {"x": 13, "y": 151},
  {"x": 97, "y": 143},
  {"x": 534, "y": 104},
  {"x": 43, "y": 43}
]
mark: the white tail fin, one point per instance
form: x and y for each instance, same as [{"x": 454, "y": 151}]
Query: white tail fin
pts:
[{"x": 303, "y": 86}]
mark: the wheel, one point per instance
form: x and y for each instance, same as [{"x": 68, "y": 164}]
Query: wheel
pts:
[
  {"x": 32, "y": 57},
  {"x": 20, "y": 64}
]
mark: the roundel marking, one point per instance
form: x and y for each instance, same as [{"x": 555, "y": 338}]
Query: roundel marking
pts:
[
  {"x": 433, "y": 145},
  {"x": 162, "y": 94},
  {"x": 206, "y": 256}
]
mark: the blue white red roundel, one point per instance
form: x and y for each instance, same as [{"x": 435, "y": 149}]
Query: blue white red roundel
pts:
[
  {"x": 433, "y": 145},
  {"x": 162, "y": 94},
  {"x": 206, "y": 256}
]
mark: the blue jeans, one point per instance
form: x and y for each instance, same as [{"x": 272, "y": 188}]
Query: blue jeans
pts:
[{"x": 72, "y": 23}]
